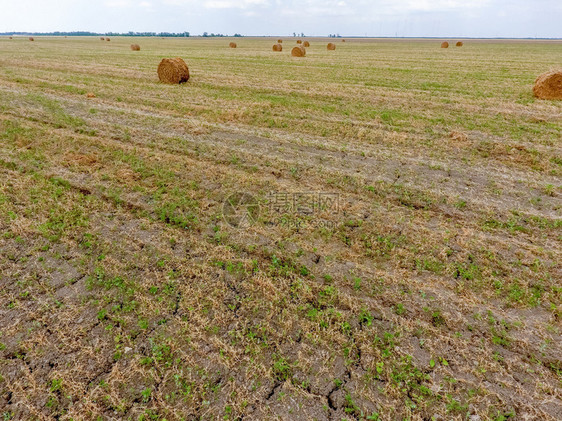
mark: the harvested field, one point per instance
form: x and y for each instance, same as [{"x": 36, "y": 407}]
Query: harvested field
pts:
[{"x": 369, "y": 233}]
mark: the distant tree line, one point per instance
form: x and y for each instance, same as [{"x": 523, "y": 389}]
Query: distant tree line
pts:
[{"x": 113, "y": 34}]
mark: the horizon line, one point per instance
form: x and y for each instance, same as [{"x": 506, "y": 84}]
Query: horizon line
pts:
[{"x": 182, "y": 35}]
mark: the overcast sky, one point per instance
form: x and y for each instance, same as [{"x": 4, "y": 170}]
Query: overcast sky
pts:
[{"x": 439, "y": 18}]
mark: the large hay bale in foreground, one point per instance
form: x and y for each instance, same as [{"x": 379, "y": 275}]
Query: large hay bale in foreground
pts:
[
  {"x": 460, "y": 44},
  {"x": 299, "y": 41},
  {"x": 135, "y": 47},
  {"x": 232, "y": 45},
  {"x": 173, "y": 70},
  {"x": 298, "y": 51},
  {"x": 331, "y": 46},
  {"x": 31, "y": 39},
  {"x": 445, "y": 44},
  {"x": 306, "y": 44},
  {"x": 279, "y": 41},
  {"x": 277, "y": 47},
  {"x": 549, "y": 85}
]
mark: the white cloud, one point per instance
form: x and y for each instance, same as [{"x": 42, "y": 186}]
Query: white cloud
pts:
[
  {"x": 233, "y": 4},
  {"x": 119, "y": 3},
  {"x": 478, "y": 18}
]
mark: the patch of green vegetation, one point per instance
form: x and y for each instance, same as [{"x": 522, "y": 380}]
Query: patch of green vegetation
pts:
[{"x": 282, "y": 369}]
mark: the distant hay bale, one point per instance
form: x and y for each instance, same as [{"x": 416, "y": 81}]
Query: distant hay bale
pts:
[
  {"x": 306, "y": 44},
  {"x": 549, "y": 85},
  {"x": 277, "y": 47},
  {"x": 10, "y": 37},
  {"x": 232, "y": 45},
  {"x": 173, "y": 70},
  {"x": 343, "y": 40},
  {"x": 107, "y": 39},
  {"x": 298, "y": 51},
  {"x": 90, "y": 95},
  {"x": 445, "y": 44},
  {"x": 299, "y": 41},
  {"x": 279, "y": 41},
  {"x": 331, "y": 46},
  {"x": 460, "y": 44},
  {"x": 135, "y": 47},
  {"x": 102, "y": 38},
  {"x": 31, "y": 39}
]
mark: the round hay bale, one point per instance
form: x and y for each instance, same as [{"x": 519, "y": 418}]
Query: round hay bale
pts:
[
  {"x": 298, "y": 51},
  {"x": 102, "y": 38},
  {"x": 10, "y": 37},
  {"x": 279, "y": 41},
  {"x": 173, "y": 70},
  {"x": 135, "y": 47},
  {"x": 331, "y": 46},
  {"x": 232, "y": 45},
  {"x": 90, "y": 95},
  {"x": 460, "y": 44},
  {"x": 549, "y": 85},
  {"x": 299, "y": 41},
  {"x": 445, "y": 44},
  {"x": 306, "y": 44},
  {"x": 277, "y": 47},
  {"x": 343, "y": 40},
  {"x": 31, "y": 39},
  {"x": 107, "y": 39}
]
